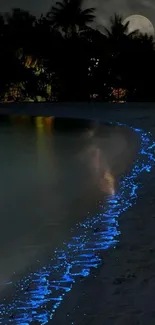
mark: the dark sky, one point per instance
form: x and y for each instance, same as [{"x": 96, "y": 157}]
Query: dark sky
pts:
[{"x": 105, "y": 8}]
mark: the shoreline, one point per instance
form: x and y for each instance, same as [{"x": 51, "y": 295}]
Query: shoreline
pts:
[
  {"x": 138, "y": 115},
  {"x": 121, "y": 291},
  {"x": 117, "y": 280}
]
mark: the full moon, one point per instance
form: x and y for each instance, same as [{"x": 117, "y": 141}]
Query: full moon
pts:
[{"x": 141, "y": 23}]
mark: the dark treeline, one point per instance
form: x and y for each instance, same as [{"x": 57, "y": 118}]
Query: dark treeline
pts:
[{"x": 60, "y": 57}]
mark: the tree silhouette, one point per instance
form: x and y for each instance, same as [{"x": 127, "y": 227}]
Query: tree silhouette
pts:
[
  {"x": 139, "y": 69},
  {"x": 118, "y": 43},
  {"x": 61, "y": 52},
  {"x": 118, "y": 30},
  {"x": 69, "y": 17},
  {"x": 20, "y": 30}
]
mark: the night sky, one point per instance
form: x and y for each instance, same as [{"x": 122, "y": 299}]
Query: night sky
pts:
[{"x": 105, "y": 8}]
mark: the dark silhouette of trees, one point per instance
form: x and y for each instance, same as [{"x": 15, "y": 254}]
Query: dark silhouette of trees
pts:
[
  {"x": 69, "y": 17},
  {"x": 71, "y": 20},
  {"x": 128, "y": 54},
  {"x": 60, "y": 57},
  {"x": 140, "y": 69},
  {"x": 118, "y": 40},
  {"x": 20, "y": 30},
  {"x": 118, "y": 30}
]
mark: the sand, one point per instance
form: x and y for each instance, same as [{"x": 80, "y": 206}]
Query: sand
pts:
[{"x": 121, "y": 291}]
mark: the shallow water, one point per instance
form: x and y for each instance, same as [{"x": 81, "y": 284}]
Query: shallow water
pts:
[{"x": 53, "y": 172}]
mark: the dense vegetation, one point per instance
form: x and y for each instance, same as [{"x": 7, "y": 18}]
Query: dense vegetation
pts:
[{"x": 60, "y": 57}]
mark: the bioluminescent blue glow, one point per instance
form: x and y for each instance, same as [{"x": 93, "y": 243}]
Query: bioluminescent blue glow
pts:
[{"x": 37, "y": 296}]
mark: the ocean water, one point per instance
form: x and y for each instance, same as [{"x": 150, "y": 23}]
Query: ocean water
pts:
[{"x": 53, "y": 174}]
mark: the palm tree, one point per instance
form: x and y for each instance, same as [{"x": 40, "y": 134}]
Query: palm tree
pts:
[
  {"x": 118, "y": 30},
  {"x": 118, "y": 38},
  {"x": 140, "y": 67},
  {"x": 69, "y": 17},
  {"x": 118, "y": 44}
]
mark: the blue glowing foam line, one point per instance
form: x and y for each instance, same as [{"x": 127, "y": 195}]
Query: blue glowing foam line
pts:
[{"x": 38, "y": 295}]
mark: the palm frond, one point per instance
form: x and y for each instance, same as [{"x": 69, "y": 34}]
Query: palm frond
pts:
[
  {"x": 68, "y": 14},
  {"x": 88, "y": 11},
  {"x": 134, "y": 32},
  {"x": 108, "y": 32}
]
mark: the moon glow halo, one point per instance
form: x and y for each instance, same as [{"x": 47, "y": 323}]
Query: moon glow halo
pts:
[{"x": 141, "y": 23}]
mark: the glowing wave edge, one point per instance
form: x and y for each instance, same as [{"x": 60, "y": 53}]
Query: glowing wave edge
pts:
[{"x": 38, "y": 295}]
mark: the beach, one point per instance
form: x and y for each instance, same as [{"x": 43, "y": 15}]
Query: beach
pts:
[{"x": 121, "y": 290}]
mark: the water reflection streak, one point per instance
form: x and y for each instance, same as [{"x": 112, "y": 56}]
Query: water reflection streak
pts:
[{"x": 40, "y": 294}]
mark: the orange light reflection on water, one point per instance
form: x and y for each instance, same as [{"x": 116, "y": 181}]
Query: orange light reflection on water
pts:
[
  {"x": 108, "y": 177},
  {"x": 101, "y": 169},
  {"x": 44, "y": 122}
]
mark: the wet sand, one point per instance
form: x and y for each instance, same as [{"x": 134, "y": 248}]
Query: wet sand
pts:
[
  {"x": 49, "y": 181},
  {"x": 121, "y": 291}
]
